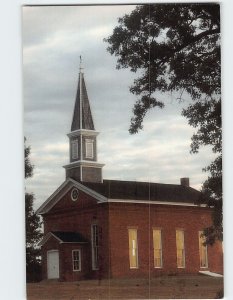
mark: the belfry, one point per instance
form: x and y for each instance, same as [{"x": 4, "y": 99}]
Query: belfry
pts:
[{"x": 83, "y": 164}]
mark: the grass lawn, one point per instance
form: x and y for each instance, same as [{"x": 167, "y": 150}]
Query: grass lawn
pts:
[{"x": 165, "y": 287}]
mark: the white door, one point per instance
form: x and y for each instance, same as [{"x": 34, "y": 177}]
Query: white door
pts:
[{"x": 53, "y": 264}]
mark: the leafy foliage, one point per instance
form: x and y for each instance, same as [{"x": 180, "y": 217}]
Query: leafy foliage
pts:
[
  {"x": 33, "y": 231},
  {"x": 28, "y": 167},
  {"x": 176, "y": 48},
  {"x": 33, "y": 226}
]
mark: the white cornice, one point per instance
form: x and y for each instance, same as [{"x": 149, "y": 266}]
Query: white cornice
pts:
[
  {"x": 155, "y": 202},
  {"x": 85, "y": 163},
  {"x": 83, "y": 132}
]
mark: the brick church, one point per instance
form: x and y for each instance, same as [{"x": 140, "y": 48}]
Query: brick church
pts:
[{"x": 97, "y": 228}]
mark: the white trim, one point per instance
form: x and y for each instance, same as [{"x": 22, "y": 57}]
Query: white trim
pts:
[
  {"x": 161, "y": 248},
  {"x": 200, "y": 232},
  {"x": 67, "y": 185},
  {"x": 85, "y": 163},
  {"x": 74, "y": 149},
  {"x": 94, "y": 268},
  {"x": 84, "y": 132},
  {"x": 72, "y": 197},
  {"x": 155, "y": 202},
  {"x": 47, "y": 237},
  {"x": 137, "y": 262},
  {"x": 81, "y": 172},
  {"x": 80, "y": 260},
  {"x": 89, "y": 143},
  {"x": 53, "y": 251},
  {"x": 81, "y": 147},
  {"x": 52, "y": 196},
  {"x": 70, "y": 183},
  {"x": 184, "y": 250}
]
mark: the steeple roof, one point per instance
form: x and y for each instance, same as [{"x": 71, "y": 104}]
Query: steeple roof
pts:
[{"x": 82, "y": 117}]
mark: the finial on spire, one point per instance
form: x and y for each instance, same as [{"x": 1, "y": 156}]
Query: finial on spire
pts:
[{"x": 80, "y": 64}]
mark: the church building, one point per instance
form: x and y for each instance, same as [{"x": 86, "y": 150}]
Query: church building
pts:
[{"x": 96, "y": 228}]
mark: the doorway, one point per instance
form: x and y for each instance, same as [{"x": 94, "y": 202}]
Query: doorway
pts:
[{"x": 53, "y": 264}]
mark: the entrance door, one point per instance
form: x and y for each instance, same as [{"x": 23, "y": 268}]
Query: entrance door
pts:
[{"x": 53, "y": 264}]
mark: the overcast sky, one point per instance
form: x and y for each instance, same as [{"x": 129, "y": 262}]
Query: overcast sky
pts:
[{"x": 53, "y": 39}]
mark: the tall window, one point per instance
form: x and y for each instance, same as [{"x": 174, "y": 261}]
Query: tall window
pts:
[
  {"x": 74, "y": 149},
  {"x": 95, "y": 247},
  {"x": 76, "y": 256},
  {"x": 133, "y": 248},
  {"x": 180, "y": 252},
  {"x": 89, "y": 148},
  {"x": 157, "y": 244},
  {"x": 203, "y": 251}
]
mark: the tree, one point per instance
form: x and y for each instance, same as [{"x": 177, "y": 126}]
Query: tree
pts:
[
  {"x": 176, "y": 48},
  {"x": 33, "y": 226}
]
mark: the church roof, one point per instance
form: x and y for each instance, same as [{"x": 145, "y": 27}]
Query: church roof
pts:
[
  {"x": 64, "y": 237},
  {"x": 134, "y": 190},
  {"x": 82, "y": 117},
  {"x": 127, "y": 192},
  {"x": 69, "y": 237}
]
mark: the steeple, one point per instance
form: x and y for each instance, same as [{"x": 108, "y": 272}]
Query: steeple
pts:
[
  {"x": 82, "y": 118},
  {"x": 83, "y": 164}
]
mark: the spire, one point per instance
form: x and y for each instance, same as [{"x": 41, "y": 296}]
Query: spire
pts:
[
  {"x": 83, "y": 164},
  {"x": 80, "y": 64},
  {"x": 82, "y": 117}
]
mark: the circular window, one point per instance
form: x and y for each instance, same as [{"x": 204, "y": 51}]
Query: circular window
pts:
[{"x": 74, "y": 194}]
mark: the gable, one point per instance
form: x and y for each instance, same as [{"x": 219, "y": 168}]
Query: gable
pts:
[
  {"x": 49, "y": 236},
  {"x": 63, "y": 194},
  {"x": 67, "y": 204}
]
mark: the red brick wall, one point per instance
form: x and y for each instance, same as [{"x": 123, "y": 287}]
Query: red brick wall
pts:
[
  {"x": 52, "y": 244},
  {"x": 114, "y": 219},
  {"x": 168, "y": 218},
  {"x": 66, "y": 263},
  {"x": 78, "y": 216},
  {"x": 65, "y": 260},
  {"x": 68, "y": 215}
]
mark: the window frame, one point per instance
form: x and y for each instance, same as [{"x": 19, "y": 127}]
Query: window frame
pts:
[
  {"x": 95, "y": 246},
  {"x": 183, "y": 250},
  {"x": 74, "y": 149},
  {"x": 201, "y": 240},
  {"x": 75, "y": 260},
  {"x": 90, "y": 142},
  {"x": 160, "y": 249},
  {"x": 133, "y": 248}
]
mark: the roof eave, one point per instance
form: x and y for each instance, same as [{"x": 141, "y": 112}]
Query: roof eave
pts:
[{"x": 49, "y": 203}]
